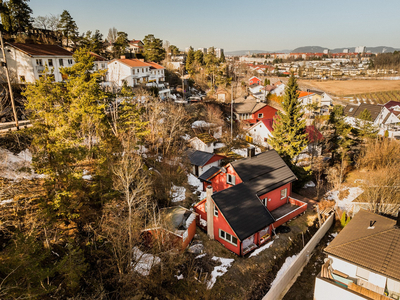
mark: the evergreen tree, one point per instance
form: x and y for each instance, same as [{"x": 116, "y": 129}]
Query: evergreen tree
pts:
[
  {"x": 93, "y": 42},
  {"x": 16, "y": 15},
  {"x": 68, "y": 27},
  {"x": 153, "y": 48},
  {"x": 289, "y": 137},
  {"x": 365, "y": 125},
  {"x": 222, "y": 58},
  {"x": 190, "y": 61},
  {"x": 121, "y": 44},
  {"x": 174, "y": 50},
  {"x": 199, "y": 57}
]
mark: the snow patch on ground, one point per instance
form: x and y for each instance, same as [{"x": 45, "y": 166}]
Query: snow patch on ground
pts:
[
  {"x": 17, "y": 167},
  {"x": 309, "y": 184},
  {"x": 144, "y": 261},
  {"x": 261, "y": 249},
  {"x": 218, "y": 271},
  {"x": 194, "y": 181},
  {"x": 241, "y": 152},
  {"x": 179, "y": 277},
  {"x": 86, "y": 176},
  {"x": 219, "y": 145},
  {"x": 177, "y": 193},
  {"x": 6, "y": 201},
  {"x": 346, "y": 203},
  {"x": 200, "y": 124},
  {"x": 286, "y": 265},
  {"x": 200, "y": 255},
  {"x": 186, "y": 137}
]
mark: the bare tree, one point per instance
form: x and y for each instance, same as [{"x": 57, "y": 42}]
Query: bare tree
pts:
[
  {"x": 112, "y": 35},
  {"x": 47, "y": 22}
]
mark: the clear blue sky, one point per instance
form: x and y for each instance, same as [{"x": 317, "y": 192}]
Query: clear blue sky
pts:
[{"x": 237, "y": 24}]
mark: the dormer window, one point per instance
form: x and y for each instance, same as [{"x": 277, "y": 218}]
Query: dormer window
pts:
[{"x": 230, "y": 179}]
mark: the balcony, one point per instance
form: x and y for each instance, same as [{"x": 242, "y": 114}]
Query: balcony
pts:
[{"x": 288, "y": 211}]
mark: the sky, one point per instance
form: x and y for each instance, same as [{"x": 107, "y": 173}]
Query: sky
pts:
[{"x": 239, "y": 25}]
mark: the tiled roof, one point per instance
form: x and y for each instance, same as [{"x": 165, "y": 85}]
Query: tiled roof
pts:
[
  {"x": 98, "y": 57},
  {"x": 304, "y": 94},
  {"x": 155, "y": 66},
  {"x": 374, "y": 110},
  {"x": 131, "y": 62},
  {"x": 240, "y": 204},
  {"x": 376, "y": 249},
  {"x": 41, "y": 49}
]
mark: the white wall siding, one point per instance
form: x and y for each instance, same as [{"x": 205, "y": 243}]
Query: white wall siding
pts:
[{"x": 328, "y": 291}]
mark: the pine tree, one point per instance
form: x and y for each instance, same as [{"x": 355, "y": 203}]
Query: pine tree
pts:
[
  {"x": 68, "y": 27},
  {"x": 153, "y": 48},
  {"x": 365, "y": 125},
  {"x": 121, "y": 44},
  {"x": 289, "y": 137},
  {"x": 222, "y": 58},
  {"x": 189, "y": 61},
  {"x": 16, "y": 16}
]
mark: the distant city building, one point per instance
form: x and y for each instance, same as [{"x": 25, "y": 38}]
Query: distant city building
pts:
[
  {"x": 326, "y": 51},
  {"x": 346, "y": 50},
  {"x": 218, "y": 52},
  {"x": 204, "y": 50},
  {"x": 361, "y": 49}
]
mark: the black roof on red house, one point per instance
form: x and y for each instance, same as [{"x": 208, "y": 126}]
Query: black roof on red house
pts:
[{"x": 240, "y": 204}]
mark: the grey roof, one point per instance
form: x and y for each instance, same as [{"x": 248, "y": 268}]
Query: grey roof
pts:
[
  {"x": 376, "y": 249},
  {"x": 374, "y": 109},
  {"x": 207, "y": 174},
  {"x": 199, "y": 158},
  {"x": 315, "y": 92},
  {"x": 248, "y": 107},
  {"x": 240, "y": 204}
]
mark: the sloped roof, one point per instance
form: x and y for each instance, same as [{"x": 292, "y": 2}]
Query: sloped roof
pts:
[
  {"x": 130, "y": 62},
  {"x": 305, "y": 94},
  {"x": 313, "y": 134},
  {"x": 376, "y": 249},
  {"x": 374, "y": 110},
  {"x": 155, "y": 65},
  {"x": 209, "y": 173},
  {"x": 240, "y": 204},
  {"x": 199, "y": 158},
  {"x": 41, "y": 49},
  {"x": 98, "y": 57},
  {"x": 269, "y": 124},
  {"x": 390, "y": 104},
  {"x": 248, "y": 107}
]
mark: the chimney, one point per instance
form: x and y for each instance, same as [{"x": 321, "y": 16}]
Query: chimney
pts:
[
  {"x": 123, "y": 57},
  {"x": 398, "y": 220},
  {"x": 210, "y": 213},
  {"x": 251, "y": 151}
]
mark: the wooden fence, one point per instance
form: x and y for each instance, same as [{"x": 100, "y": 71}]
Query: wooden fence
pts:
[{"x": 282, "y": 286}]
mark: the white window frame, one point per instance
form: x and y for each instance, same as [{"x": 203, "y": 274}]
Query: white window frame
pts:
[
  {"x": 230, "y": 179},
  {"x": 285, "y": 191},
  {"x": 224, "y": 235},
  {"x": 215, "y": 211},
  {"x": 70, "y": 61},
  {"x": 39, "y": 62}
]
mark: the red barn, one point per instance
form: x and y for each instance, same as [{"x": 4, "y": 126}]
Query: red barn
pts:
[{"x": 251, "y": 198}]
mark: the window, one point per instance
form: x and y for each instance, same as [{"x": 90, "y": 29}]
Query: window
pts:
[
  {"x": 22, "y": 78},
  {"x": 227, "y": 237},
  {"x": 61, "y": 62},
  {"x": 142, "y": 70},
  {"x": 260, "y": 116},
  {"x": 264, "y": 201},
  {"x": 39, "y": 62},
  {"x": 283, "y": 193},
  {"x": 50, "y": 62},
  {"x": 215, "y": 211},
  {"x": 70, "y": 61},
  {"x": 230, "y": 179}
]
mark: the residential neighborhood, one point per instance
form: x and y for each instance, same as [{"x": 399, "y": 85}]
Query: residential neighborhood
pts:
[{"x": 145, "y": 155}]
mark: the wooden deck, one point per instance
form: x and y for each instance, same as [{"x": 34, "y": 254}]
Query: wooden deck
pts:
[{"x": 283, "y": 210}]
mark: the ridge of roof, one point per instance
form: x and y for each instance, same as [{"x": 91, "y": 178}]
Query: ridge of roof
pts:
[{"x": 40, "y": 49}]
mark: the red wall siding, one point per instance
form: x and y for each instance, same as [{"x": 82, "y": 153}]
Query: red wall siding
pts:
[
  {"x": 275, "y": 197},
  {"x": 221, "y": 223},
  {"x": 267, "y": 111},
  {"x": 200, "y": 209},
  {"x": 219, "y": 181},
  {"x": 255, "y": 81},
  {"x": 191, "y": 233}
]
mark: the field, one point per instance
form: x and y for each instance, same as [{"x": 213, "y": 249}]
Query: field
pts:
[{"x": 345, "y": 88}]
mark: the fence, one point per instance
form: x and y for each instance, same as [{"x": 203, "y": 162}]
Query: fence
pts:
[{"x": 278, "y": 290}]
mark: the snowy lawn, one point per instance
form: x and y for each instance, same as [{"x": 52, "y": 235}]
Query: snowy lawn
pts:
[
  {"x": 194, "y": 181},
  {"x": 144, "y": 261},
  {"x": 345, "y": 204},
  {"x": 261, "y": 249},
  {"x": 218, "y": 271},
  {"x": 178, "y": 193},
  {"x": 17, "y": 167}
]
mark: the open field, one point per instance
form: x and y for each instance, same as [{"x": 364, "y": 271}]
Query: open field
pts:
[{"x": 342, "y": 88}]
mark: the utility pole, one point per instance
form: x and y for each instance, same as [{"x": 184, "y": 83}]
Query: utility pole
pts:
[
  {"x": 8, "y": 80},
  {"x": 232, "y": 113}
]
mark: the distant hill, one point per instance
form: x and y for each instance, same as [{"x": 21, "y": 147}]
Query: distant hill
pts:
[
  {"x": 244, "y": 52},
  {"x": 318, "y": 49}
]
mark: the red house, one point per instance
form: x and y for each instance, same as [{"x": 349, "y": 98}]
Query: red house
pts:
[
  {"x": 254, "y": 80},
  {"x": 246, "y": 201}
]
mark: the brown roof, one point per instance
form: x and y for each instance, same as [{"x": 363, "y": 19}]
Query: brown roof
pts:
[
  {"x": 98, "y": 57},
  {"x": 376, "y": 249},
  {"x": 248, "y": 107},
  {"x": 41, "y": 49},
  {"x": 374, "y": 110}
]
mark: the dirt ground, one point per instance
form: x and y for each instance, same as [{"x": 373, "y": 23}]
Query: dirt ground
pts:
[{"x": 351, "y": 87}]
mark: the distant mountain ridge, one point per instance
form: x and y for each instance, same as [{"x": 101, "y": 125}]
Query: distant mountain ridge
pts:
[{"x": 314, "y": 49}]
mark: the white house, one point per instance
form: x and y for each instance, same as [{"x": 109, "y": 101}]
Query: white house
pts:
[
  {"x": 203, "y": 142},
  {"x": 279, "y": 89},
  {"x": 134, "y": 72},
  {"x": 260, "y": 132},
  {"x": 27, "y": 62},
  {"x": 100, "y": 62},
  {"x": 363, "y": 261}
]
